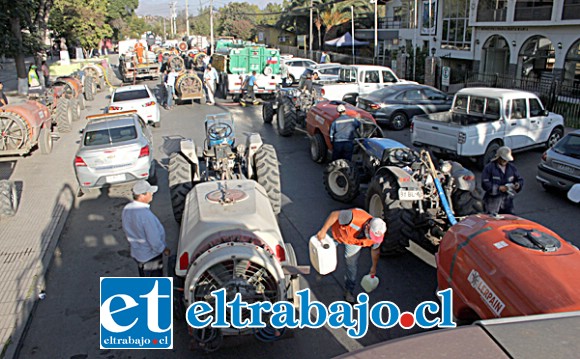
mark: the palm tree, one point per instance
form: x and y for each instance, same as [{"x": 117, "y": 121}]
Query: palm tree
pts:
[{"x": 332, "y": 18}]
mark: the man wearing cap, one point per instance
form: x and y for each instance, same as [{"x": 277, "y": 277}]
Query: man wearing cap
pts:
[
  {"x": 500, "y": 180},
  {"x": 342, "y": 134},
  {"x": 355, "y": 228},
  {"x": 144, "y": 231}
]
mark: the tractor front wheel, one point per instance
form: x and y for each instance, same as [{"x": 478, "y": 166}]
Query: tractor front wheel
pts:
[{"x": 341, "y": 181}]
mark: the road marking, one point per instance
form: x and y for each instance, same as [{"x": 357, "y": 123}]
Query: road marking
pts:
[{"x": 422, "y": 254}]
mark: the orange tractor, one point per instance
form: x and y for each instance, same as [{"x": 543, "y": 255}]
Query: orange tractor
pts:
[{"x": 24, "y": 126}]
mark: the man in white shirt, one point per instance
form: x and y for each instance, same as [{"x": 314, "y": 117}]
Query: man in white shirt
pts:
[
  {"x": 210, "y": 78},
  {"x": 144, "y": 231},
  {"x": 170, "y": 85}
]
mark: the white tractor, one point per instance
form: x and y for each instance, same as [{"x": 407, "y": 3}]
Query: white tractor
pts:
[{"x": 226, "y": 201}]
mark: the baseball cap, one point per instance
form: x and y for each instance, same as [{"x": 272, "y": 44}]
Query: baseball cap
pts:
[
  {"x": 142, "y": 187},
  {"x": 504, "y": 152},
  {"x": 377, "y": 230}
]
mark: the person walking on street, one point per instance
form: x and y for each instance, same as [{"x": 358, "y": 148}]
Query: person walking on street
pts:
[
  {"x": 248, "y": 85},
  {"x": 324, "y": 58},
  {"x": 144, "y": 231},
  {"x": 342, "y": 134},
  {"x": 170, "y": 85},
  {"x": 45, "y": 73},
  {"x": 355, "y": 228},
  {"x": 3, "y": 98},
  {"x": 210, "y": 78},
  {"x": 501, "y": 181},
  {"x": 283, "y": 73}
]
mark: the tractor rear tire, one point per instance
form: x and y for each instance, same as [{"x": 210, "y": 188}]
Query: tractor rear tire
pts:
[
  {"x": 341, "y": 181},
  {"x": 76, "y": 109},
  {"x": 268, "y": 175},
  {"x": 268, "y": 112},
  {"x": 90, "y": 88},
  {"x": 8, "y": 198},
  {"x": 318, "y": 149},
  {"x": 382, "y": 200},
  {"x": 64, "y": 115},
  {"x": 45, "y": 141},
  {"x": 82, "y": 102},
  {"x": 489, "y": 154},
  {"x": 180, "y": 183},
  {"x": 287, "y": 117},
  {"x": 466, "y": 203},
  {"x": 16, "y": 131}
]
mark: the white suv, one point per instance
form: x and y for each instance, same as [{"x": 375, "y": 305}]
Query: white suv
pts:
[{"x": 296, "y": 67}]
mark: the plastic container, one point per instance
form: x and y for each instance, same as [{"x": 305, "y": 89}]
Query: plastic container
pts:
[
  {"x": 322, "y": 254},
  {"x": 369, "y": 283}
]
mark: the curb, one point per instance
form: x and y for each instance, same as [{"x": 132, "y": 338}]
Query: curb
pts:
[{"x": 62, "y": 210}]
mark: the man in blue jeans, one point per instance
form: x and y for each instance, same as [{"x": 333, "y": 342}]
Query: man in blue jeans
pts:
[
  {"x": 170, "y": 85},
  {"x": 355, "y": 228}
]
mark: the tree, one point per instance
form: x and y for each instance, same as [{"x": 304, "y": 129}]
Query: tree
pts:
[
  {"x": 81, "y": 21},
  {"x": 332, "y": 18},
  {"x": 275, "y": 10},
  {"x": 232, "y": 16}
]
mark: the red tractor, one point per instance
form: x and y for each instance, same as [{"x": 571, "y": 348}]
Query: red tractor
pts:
[
  {"x": 320, "y": 118},
  {"x": 65, "y": 100},
  {"x": 24, "y": 126}
]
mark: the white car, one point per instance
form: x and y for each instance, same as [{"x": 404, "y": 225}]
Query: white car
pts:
[
  {"x": 139, "y": 98},
  {"x": 296, "y": 67}
]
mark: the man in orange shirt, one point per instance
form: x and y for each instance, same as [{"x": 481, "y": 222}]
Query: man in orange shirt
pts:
[
  {"x": 355, "y": 228},
  {"x": 139, "y": 49}
]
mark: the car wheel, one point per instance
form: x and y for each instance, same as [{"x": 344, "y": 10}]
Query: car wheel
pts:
[
  {"x": 399, "y": 121},
  {"x": 555, "y": 136}
]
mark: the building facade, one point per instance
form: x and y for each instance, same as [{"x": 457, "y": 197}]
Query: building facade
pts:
[{"x": 525, "y": 39}]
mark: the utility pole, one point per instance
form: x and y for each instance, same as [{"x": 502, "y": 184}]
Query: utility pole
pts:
[
  {"x": 310, "y": 38},
  {"x": 187, "y": 19},
  {"x": 376, "y": 30},
  {"x": 164, "y": 31},
  {"x": 171, "y": 24},
  {"x": 211, "y": 27},
  {"x": 352, "y": 10}
]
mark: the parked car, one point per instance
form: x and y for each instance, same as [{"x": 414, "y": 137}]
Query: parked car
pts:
[
  {"x": 326, "y": 72},
  {"x": 396, "y": 105},
  {"x": 483, "y": 119},
  {"x": 139, "y": 98},
  {"x": 560, "y": 165},
  {"x": 296, "y": 67},
  {"x": 115, "y": 148}
]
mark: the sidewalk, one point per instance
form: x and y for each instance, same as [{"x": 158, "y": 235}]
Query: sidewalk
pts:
[{"x": 47, "y": 188}]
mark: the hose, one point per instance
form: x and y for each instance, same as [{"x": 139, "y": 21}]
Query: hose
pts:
[
  {"x": 442, "y": 194},
  {"x": 269, "y": 334},
  {"x": 209, "y": 339},
  {"x": 106, "y": 77}
]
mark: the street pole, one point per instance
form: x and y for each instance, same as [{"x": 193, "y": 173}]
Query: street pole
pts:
[
  {"x": 352, "y": 12},
  {"x": 376, "y": 30},
  {"x": 211, "y": 27},
  {"x": 415, "y": 40},
  {"x": 187, "y": 19},
  {"x": 310, "y": 38}
]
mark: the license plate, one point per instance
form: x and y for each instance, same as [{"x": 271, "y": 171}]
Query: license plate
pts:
[
  {"x": 116, "y": 178},
  {"x": 565, "y": 168},
  {"x": 410, "y": 195}
]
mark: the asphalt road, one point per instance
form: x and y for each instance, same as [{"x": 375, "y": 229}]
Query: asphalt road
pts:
[{"x": 66, "y": 323}]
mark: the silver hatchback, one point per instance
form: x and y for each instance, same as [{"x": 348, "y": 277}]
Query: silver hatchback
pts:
[
  {"x": 560, "y": 165},
  {"x": 115, "y": 148}
]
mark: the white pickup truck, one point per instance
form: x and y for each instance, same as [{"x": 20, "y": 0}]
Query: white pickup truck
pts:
[
  {"x": 483, "y": 119},
  {"x": 357, "y": 80}
]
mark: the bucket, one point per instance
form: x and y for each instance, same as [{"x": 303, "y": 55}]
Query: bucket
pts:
[
  {"x": 369, "y": 283},
  {"x": 322, "y": 254}
]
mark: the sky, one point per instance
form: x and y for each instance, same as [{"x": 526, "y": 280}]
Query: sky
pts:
[{"x": 161, "y": 7}]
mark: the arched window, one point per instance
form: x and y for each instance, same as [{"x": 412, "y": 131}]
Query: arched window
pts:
[
  {"x": 495, "y": 55},
  {"x": 572, "y": 65},
  {"x": 536, "y": 58}
]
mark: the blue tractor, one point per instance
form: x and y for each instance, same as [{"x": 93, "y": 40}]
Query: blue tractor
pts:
[{"x": 402, "y": 189}]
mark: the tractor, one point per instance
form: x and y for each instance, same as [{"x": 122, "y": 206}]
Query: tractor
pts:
[
  {"x": 402, "y": 189},
  {"x": 226, "y": 197},
  {"x": 290, "y": 108}
]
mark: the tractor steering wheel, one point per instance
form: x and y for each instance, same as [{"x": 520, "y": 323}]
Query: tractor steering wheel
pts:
[
  {"x": 219, "y": 131},
  {"x": 403, "y": 156}
]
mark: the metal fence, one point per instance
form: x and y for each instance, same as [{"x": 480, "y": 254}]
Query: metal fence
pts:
[
  {"x": 557, "y": 97},
  {"x": 335, "y": 56}
]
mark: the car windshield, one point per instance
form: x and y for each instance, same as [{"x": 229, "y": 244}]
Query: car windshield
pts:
[
  {"x": 130, "y": 95},
  {"x": 110, "y": 136},
  {"x": 569, "y": 146}
]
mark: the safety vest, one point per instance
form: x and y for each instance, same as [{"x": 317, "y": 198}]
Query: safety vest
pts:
[
  {"x": 347, "y": 234},
  {"x": 33, "y": 80}
]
